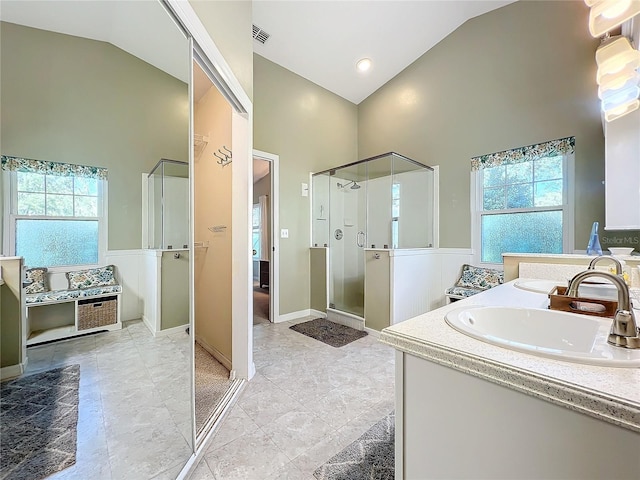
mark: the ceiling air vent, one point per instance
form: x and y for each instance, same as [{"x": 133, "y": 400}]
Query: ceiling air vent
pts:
[{"x": 260, "y": 35}]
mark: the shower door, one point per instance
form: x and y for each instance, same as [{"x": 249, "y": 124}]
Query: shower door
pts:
[{"x": 347, "y": 239}]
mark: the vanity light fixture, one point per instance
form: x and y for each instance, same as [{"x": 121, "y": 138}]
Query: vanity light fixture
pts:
[
  {"x": 606, "y": 15},
  {"x": 616, "y": 58},
  {"x": 617, "y": 77},
  {"x": 363, "y": 64},
  {"x": 621, "y": 111}
]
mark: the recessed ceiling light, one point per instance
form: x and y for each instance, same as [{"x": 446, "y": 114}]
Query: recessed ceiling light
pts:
[{"x": 363, "y": 65}]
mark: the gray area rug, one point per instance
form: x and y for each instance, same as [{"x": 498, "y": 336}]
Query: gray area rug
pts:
[
  {"x": 371, "y": 457},
  {"x": 38, "y": 423},
  {"x": 329, "y": 332}
]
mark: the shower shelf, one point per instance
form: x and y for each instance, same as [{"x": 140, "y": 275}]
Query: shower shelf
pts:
[{"x": 199, "y": 143}]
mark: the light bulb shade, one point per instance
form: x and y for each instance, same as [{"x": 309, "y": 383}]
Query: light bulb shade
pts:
[
  {"x": 620, "y": 98},
  {"x": 605, "y": 15},
  {"x": 614, "y": 57},
  {"x": 614, "y": 87},
  {"x": 622, "y": 110}
]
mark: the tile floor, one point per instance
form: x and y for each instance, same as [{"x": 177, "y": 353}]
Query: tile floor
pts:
[
  {"x": 306, "y": 403},
  {"x": 134, "y": 410}
]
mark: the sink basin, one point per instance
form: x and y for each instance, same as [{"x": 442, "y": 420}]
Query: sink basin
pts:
[
  {"x": 604, "y": 290},
  {"x": 548, "y": 333}
]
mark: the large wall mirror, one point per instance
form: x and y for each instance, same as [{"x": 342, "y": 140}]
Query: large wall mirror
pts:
[{"x": 105, "y": 84}]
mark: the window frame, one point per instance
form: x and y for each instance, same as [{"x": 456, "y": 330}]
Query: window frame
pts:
[
  {"x": 255, "y": 229},
  {"x": 10, "y": 198},
  {"x": 567, "y": 208}
]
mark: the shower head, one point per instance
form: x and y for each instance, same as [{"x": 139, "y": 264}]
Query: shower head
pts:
[{"x": 355, "y": 186}]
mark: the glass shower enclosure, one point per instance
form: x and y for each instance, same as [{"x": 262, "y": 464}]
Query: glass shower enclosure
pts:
[
  {"x": 383, "y": 202},
  {"x": 168, "y": 205}
]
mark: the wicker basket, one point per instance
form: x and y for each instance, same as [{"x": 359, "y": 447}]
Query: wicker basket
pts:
[{"x": 97, "y": 312}]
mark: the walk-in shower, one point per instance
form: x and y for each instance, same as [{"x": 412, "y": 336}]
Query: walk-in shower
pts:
[
  {"x": 168, "y": 205},
  {"x": 383, "y": 202}
]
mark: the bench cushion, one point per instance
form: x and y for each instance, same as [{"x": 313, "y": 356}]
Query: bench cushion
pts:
[
  {"x": 63, "y": 295},
  {"x": 479, "y": 278},
  {"x": 36, "y": 279},
  {"x": 462, "y": 292},
  {"x": 93, "y": 277}
]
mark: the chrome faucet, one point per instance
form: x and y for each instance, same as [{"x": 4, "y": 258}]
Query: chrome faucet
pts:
[
  {"x": 624, "y": 330},
  {"x": 592, "y": 263}
]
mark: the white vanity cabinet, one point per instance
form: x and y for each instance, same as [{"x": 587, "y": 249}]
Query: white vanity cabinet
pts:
[
  {"x": 456, "y": 425},
  {"x": 466, "y": 409}
]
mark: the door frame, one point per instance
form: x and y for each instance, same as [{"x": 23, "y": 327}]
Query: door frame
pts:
[{"x": 274, "y": 207}]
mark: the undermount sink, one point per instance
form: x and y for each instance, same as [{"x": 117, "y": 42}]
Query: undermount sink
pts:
[{"x": 548, "y": 333}]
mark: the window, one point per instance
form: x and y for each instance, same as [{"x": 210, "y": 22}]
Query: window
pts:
[
  {"x": 523, "y": 205},
  {"x": 55, "y": 212},
  {"x": 255, "y": 233}
]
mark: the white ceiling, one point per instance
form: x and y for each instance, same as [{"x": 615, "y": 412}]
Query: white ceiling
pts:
[
  {"x": 141, "y": 28},
  {"x": 321, "y": 40}
]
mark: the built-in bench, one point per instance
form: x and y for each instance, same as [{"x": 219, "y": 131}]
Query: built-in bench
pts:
[
  {"x": 91, "y": 302},
  {"x": 474, "y": 280}
]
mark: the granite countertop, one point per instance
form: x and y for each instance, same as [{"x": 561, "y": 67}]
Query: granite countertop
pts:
[{"x": 606, "y": 393}]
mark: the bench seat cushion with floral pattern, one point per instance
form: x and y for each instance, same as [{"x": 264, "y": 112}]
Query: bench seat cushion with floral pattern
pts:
[
  {"x": 474, "y": 280},
  {"x": 67, "y": 295},
  {"x": 93, "y": 282},
  {"x": 93, "y": 277}
]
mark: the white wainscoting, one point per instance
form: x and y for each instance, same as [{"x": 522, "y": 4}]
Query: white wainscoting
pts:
[
  {"x": 128, "y": 272},
  {"x": 419, "y": 278},
  {"x": 150, "y": 288}
]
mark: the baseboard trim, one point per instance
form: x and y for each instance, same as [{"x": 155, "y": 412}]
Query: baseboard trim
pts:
[
  {"x": 293, "y": 316},
  {"x": 317, "y": 313},
  {"x": 12, "y": 371},
  {"x": 214, "y": 351},
  {"x": 147, "y": 324},
  {"x": 372, "y": 332},
  {"x": 169, "y": 331},
  {"x": 346, "y": 319}
]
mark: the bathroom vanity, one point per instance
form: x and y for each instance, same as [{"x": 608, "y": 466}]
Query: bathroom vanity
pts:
[{"x": 469, "y": 409}]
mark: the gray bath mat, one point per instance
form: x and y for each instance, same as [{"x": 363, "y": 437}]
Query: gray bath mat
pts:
[
  {"x": 38, "y": 423},
  {"x": 371, "y": 457},
  {"x": 329, "y": 332}
]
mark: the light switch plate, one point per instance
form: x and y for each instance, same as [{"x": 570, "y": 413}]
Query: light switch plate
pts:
[
  {"x": 305, "y": 190},
  {"x": 284, "y": 233}
]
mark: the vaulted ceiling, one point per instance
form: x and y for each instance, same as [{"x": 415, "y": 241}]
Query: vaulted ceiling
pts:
[{"x": 322, "y": 40}]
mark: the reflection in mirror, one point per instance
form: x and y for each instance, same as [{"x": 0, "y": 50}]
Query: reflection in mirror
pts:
[
  {"x": 212, "y": 252},
  {"x": 104, "y": 84}
]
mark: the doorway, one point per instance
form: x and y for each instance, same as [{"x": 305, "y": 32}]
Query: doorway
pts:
[{"x": 264, "y": 237}]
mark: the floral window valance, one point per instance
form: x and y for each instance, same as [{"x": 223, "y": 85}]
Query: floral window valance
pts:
[
  {"x": 52, "y": 168},
  {"x": 552, "y": 148}
]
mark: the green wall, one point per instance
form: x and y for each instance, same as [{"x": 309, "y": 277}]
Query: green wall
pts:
[
  {"x": 311, "y": 129},
  {"x": 73, "y": 100},
  {"x": 229, "y": 23},
  {"x": 521, "y": 74},
  {"x": 10, "y": 334},
  {"x": 174, "y": 295}
]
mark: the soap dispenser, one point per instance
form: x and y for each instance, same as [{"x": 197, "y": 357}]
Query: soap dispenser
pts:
[{"x": 594, "y": 247}]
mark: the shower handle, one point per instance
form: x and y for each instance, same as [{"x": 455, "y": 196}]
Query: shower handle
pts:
[{"x": 360, "y": 239}]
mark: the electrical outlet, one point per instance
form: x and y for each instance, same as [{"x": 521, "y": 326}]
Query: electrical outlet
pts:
[{"x": 284, "y": 233}]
